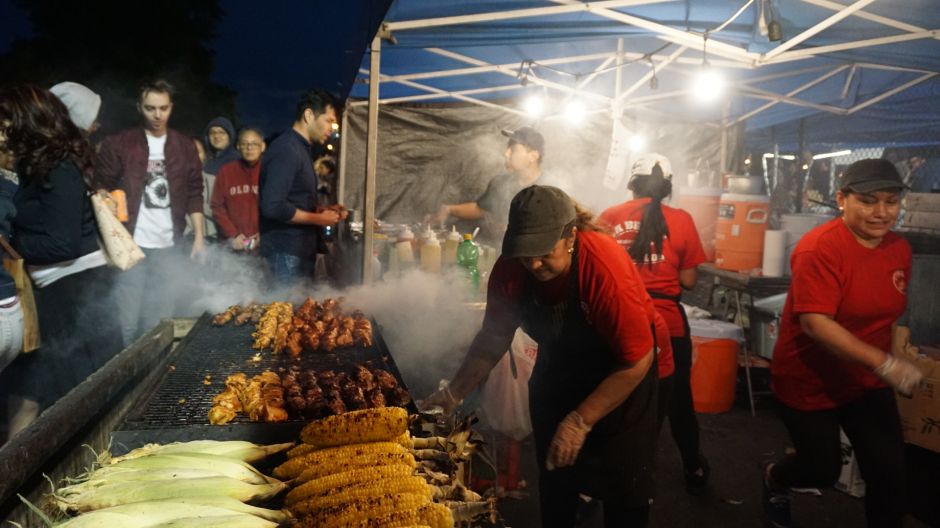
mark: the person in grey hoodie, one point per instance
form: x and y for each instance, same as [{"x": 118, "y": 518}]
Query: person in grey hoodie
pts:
[{"x": 220, "y": 149}]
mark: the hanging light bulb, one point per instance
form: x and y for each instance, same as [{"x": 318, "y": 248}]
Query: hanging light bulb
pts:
[
  {"x": 574, "y": 112},
  {"x": 636, "y": 143},
  {"x": 709, "y": 85},
  {"x": 534, "y": 105}
]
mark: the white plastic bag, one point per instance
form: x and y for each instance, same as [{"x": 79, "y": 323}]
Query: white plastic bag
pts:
[{"x": 505, "y": 399}]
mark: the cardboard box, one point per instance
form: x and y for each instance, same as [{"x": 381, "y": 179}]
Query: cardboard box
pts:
[
  {"x": 850, "y": 478},
  {"x": 920, "y": 414}
]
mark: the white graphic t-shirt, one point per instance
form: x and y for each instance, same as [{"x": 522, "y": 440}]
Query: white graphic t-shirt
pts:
[{"x": 154, "y": 227}]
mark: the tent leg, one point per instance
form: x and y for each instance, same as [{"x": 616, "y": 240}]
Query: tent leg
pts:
[
  {"x": 368, "y": 216},
  {"x": 341, "y": 175}
]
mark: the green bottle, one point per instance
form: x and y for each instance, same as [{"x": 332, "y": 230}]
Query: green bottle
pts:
[{"x": 468, "y": 253}]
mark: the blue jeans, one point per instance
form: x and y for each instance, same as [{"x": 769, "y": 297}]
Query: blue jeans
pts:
[{"x": 288, "y": 269}]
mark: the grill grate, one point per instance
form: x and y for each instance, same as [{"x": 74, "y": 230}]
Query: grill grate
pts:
[{"x": 183, "y": 399}]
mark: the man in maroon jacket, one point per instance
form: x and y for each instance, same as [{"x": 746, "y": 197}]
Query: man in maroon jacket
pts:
[
  {"x": 160, "y": 173},
  {"x": 235, "y": 195}
]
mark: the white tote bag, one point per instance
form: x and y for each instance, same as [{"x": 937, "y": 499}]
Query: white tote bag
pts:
[{"x": 118, "y": 245}]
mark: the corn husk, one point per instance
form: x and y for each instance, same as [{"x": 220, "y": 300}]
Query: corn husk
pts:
[
  {"x": 237, "y": 449},
  {"x": 74, "y": 499},
  {"x": 218, "y": 464},
  {"x": 162, "y": 511},
  {"x": 227, "y": 521}
]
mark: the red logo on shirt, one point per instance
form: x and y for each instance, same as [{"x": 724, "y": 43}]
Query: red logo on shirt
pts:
[{"x": 900, "y": 282}]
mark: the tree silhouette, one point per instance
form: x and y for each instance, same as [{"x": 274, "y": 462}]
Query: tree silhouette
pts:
[{"x": 113, "y": 45}]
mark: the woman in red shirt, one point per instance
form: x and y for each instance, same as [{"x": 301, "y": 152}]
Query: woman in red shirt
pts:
[
  {"x": 832, "y": 363},
  {"x": 665, "y": 246},
  {"x": 592, "y": 394}
]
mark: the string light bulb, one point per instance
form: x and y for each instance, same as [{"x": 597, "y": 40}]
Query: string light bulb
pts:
[{"x": 534, "y": 105}]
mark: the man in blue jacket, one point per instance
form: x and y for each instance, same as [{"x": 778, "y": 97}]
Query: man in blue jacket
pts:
[{"x": 290, "y": 217}]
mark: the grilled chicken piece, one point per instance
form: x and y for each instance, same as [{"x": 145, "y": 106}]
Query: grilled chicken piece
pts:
[
  {"x": 375, "y": 398},
  {"x": 221, "y": 415},
  {"x": 384, "y": 380}
]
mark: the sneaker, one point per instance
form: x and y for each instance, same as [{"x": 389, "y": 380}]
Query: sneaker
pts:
[
  {"x": 696, "y": 481},
  {"x": 776, "y": 503}
]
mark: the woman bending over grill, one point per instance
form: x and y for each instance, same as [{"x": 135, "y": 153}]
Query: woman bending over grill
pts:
[{"x": 593, "y": 391}]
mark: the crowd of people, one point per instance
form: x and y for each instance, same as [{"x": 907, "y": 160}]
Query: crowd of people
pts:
[
  {"x": 601, "y": 296},
  {"x": 178, "y": 195}
]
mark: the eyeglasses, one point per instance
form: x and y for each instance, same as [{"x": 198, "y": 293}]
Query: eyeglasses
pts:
[{"x": 249, "y": 145}]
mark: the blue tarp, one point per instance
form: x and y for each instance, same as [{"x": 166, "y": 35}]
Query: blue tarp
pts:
[{"x": 911, "y": 116}]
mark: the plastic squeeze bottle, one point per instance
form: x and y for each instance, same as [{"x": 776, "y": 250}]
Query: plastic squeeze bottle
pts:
[
  {"x": 449, "y": 257},
  {"x": 468, "y": 254},
  {"x": 404, "y": 248},
  {"x": 431, "y": 253}
]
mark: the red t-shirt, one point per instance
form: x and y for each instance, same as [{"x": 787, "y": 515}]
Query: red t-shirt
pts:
[
  {"x": 682, "y": 250},
  {"x": 612, "y": 298},
  {"x": 864, "y": 289},
  {"x": 235, "y": 199}
]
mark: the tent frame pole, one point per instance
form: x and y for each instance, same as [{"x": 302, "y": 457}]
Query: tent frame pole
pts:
[
  {"x": 372, "y": 142},
  {"x": 343, "y": 142}
]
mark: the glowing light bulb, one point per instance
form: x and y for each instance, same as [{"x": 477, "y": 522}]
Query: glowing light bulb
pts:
[
  {"x": 335, "y": 126},
  {"x": 575, "y": 112},
  {"x": 709, "y": 85},
  {"x": 534, "y": 106},
  {"x": 329, "y": 147},
  {"x": 637, "y": 143}
]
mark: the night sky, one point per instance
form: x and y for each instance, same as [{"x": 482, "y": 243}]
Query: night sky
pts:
[{"x": 269, "y": 53}]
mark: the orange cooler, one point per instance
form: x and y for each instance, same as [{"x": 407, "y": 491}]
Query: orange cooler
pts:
[
  {"x": 702, "y": 204},
  {"x": 714, "y": 364},
  {"x": 739, "y": 237}
]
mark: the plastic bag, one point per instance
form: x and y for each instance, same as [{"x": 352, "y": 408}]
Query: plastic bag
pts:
[{"x": 505, "y": 398}]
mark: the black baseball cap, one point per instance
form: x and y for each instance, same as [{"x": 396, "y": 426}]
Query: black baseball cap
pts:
[
  {"x": 870, "y": 175},
  {"x": 529, "y": 137},
  {"x": 538, "y": 215}
]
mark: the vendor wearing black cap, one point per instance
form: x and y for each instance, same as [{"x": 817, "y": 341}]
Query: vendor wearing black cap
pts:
[
  {"x": 592, "y": 395},
  {"x": 523, "y": 157},
  {"x": 833, "y": 365}
]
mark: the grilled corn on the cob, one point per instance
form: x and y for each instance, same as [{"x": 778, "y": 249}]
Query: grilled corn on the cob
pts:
[
  {"x": 377, "y": 488},
  {"x": 336, "y": 459},
  {"x": 330, "y": 484},
  {"x": 353, "y": 513},
  {"x": 367, "y": 425}
]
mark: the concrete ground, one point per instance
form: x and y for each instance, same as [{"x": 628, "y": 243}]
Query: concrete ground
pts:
[{"x": 735, "y": 444}]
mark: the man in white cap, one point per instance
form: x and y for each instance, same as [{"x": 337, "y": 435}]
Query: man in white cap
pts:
[{"x": 83, "y": 104}]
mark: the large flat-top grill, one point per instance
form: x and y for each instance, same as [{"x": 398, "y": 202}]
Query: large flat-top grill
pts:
[{"x": 177, "y": 410}]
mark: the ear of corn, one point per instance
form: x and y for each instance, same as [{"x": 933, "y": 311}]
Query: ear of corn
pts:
[
  {"x": 377, "y": 488},
  {"x": 366, "y": 425},
  {"x": 245, "y": 451},
  {"x": 222, "y": 521},
  {"x": 432, "y": 515},
  {"x": 116, "y": 494},
  {"x": 403, "y": 440},
  {"x": 336, "y": 459},
  {"x": 217, "y": 464},
  {"x": 357, "y": 511},
  {"x": 329, "y": 484},
  {"x": 162, "y": 511}
]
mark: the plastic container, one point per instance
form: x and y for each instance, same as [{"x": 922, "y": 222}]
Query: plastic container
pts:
[
  {"x": 404, "y": 249},
  {"x": 449, "y": 255},
  {"x": 714, "y": 364},
  {"x": 430, "y": 253},
  {"x": 797, "y": 225},
  {"x": 702, "y": 204},
  {"x": 468, "y": 256},
  {"x": 739, "y": 236},
  {"x": 764, "y": 317}
]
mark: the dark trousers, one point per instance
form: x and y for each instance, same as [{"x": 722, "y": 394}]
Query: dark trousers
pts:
[
  {"x": 873, "y": 426},
  {"x": 79, "y": 333},
  {"x": 559, "y": 500},
  {"x": 682, "y": 421}
]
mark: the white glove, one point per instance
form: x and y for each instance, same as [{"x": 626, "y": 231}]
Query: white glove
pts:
[
  {"x": 900, "y": 374},
  {"x": 567, "y": 442}
]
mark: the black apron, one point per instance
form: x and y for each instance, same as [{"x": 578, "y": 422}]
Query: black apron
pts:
[
  {"x": 616, "y": 460},
  {"x": 678, "y": 300}
]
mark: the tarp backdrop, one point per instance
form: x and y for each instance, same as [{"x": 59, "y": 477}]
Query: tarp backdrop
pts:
[{"x": 429, "y": 155}]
